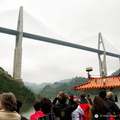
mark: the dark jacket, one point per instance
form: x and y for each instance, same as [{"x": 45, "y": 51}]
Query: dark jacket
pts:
[
  {"x": 50, "y": 116},
  {"x": 23, "y": 118},
  {"x": 63, "y": 111},
  {"x": 112, "y": 106}
]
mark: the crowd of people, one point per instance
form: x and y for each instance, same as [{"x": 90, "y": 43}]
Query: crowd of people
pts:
[{"x": 63, "y": 107}]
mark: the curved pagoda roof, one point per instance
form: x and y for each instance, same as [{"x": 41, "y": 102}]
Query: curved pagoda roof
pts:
[{"x": 97, "y": 83}]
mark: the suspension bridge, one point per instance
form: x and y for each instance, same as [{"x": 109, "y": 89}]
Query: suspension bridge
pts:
[{"x": 19, "y": 33}]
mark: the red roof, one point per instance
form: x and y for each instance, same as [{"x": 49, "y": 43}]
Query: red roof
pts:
[{"x": 97, "y": 83}]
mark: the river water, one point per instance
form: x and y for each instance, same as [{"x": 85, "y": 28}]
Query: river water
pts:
[{"x": 27, "y": 110}]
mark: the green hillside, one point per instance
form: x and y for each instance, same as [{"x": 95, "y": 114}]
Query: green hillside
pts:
[
  {"x": 51, "y": 91},
  {"x": 35, "y": 87},
  {"x": 8, "y": 84}
]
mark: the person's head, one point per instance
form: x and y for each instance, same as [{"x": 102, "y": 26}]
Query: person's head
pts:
[
  {"x": 71, "y": 96},
  {"x": 37, "y": 105},
  {"x": 100, "y": 104},
  {"x": 19, "y": 105},
  {"x": 62, "y": 98},
  {"x": 8, "y": 102},
  {"x": 109, "y": 94},
  {"x": 82, "y": 95},
  {"x": 46, "y": 105},
  {"x": 102, "y": 94}
]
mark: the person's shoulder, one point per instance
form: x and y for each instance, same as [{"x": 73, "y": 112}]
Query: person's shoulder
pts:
[
  {"x": 61, "y": 105},
  {"x": 49, "y": 116},
  {"x": 32, "y": 115},
  {"x": 23, "y": 118},
  {"x": 84, "y": 101},
  {"x": 57, "y": 118},
  {"x": 2, "y": 111},
  {"x": 109, "y": 101},
  {"x": 112, "y": 104}
]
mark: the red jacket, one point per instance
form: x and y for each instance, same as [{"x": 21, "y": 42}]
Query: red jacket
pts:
[
  {"x": 36, "y": 115},
  {"x": 85, "y": 107}
]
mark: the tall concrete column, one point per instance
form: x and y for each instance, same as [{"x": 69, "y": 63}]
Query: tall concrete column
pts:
[
  {"x": 18, "y": 48},
  {"x": 102, "y": 61}
]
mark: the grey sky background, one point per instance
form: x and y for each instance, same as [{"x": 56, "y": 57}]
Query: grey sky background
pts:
[{"x": 76, "y": 21}]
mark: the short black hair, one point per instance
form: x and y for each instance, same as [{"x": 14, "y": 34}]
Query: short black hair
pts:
[
  {"x": 62, "y": 98},
  {"x": 82, "y": 95},
  {"x": 37, "y": 105},
  {"x": 19, "y": 105},
  {"x": 46, "y": 105},
  {"x": 102, "y": 94}
]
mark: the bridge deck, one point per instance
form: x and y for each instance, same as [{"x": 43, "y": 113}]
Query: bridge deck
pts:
[{"x": 55, "y": 41}]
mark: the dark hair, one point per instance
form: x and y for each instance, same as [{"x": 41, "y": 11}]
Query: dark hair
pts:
[
  {"x": 46, "y": 105},
  {"x": 102, "y": 94},
  {"x": 8, "y": 102},
  {"x": 62, "y": 98},
  {"x": 100, "y": 105},
  {"x": 71, "y": 96},
  {"x": 37, "y": 105},
  {"x": 19, "y": 105},
  {"x": 82, "y": 95}
]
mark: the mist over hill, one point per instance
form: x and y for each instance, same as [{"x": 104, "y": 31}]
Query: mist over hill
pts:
[
  {"x": 35, "y": 87},
  {"x": 50, "y": 90},
  {"x": 38, "y": 87}
]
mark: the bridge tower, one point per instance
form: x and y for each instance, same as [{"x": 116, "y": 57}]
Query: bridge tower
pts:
[
  {"x": 18, "y": 48},
  {"x": 102, "y": 61}
]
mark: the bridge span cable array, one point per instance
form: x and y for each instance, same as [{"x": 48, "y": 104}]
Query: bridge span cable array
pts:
[
  {"x": 110, "y": 47},
  {"x": 92, "y": 41},
  {"x": 55, "y": 41}
]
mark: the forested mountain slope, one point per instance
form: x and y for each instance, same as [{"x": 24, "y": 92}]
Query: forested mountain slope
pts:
[
  {"x": 51, "y": 91},
  {"x": 8, "y": 84}
]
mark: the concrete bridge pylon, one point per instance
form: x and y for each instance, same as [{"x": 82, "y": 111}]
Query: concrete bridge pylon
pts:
[
  {"x": 102, "y": 61},
  {"x": 18, "y": 49}
]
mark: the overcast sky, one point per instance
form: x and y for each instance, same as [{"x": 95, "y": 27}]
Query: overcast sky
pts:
[{"x": 77, "y": 21}]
